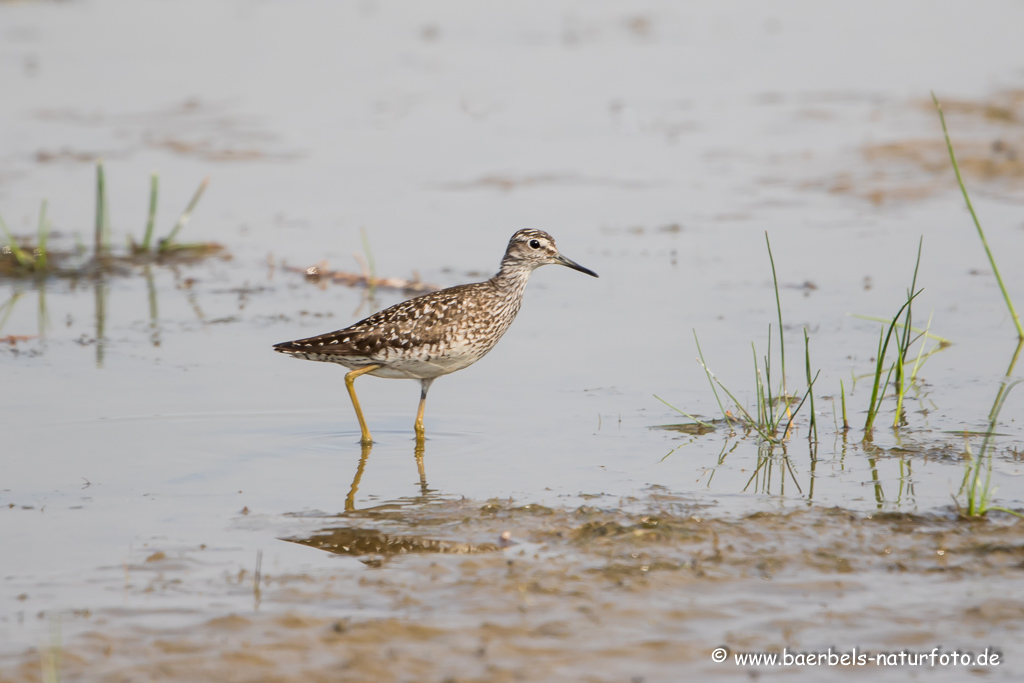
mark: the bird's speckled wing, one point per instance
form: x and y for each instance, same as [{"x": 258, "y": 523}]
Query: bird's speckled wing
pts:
[{"x": 424, "y": 321}]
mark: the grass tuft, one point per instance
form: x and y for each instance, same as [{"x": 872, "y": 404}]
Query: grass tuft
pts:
[
  {"x": 903, "y": 345},
  {"x": 774, "y": 414},
  {"x": 19, "y": 260}
]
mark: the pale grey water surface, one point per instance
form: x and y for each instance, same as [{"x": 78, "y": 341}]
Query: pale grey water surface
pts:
[{"x": 657, "y": 142}]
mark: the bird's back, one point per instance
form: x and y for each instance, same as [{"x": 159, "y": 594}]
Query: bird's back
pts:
[{"x": 449, "y": 328}]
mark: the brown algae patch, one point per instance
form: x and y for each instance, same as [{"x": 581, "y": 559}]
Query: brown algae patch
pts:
[
  {"x": 989, "y": 140},
  {"x": 585, "y": 594},
  {"x": 196, "y": 128}
]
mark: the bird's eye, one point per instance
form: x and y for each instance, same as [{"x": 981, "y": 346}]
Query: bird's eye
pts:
[{"x": 535, "y": 244}]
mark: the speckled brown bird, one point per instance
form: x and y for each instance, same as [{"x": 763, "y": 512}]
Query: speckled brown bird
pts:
[{"x": 437, "y": 333}]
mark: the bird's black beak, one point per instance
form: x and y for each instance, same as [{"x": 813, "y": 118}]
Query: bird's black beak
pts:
[{"x": 575, "y": 266}]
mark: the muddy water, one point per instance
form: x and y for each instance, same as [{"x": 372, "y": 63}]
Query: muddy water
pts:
[{"x": 154, "y": 446}]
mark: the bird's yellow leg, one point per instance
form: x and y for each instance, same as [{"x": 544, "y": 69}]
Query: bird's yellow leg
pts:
[
  {"x": 350, "y": 380},
  {"x": 421, "y": 433}
]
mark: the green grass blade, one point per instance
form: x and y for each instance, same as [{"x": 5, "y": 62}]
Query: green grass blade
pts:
[
  {"x": 102, "y": 233},
  {"x": 761, "y": 400},
  {"x": 768, "y": 417},
  {"x": 926, "y": 333},
  {"x": 750, "y": 421},
  {"x": 810, "y": 384},
  {"x": 168, "y": 241},
  {"x": 697, "y": 420},
  {"x": 842, "y": 394},
  {"x": 154, "y": 191},
  {"x": 921, "y": 355},
  {"x": 876, "y": 400},
  {"x": 977, "y": 223},
  {"x": 809, "y": 392},
  {"x": 1009, "y": 373},
  {"x": 903, "y": 342},
  {"x": 778, "y": 307},
  {"x": 43, "y": 236},
  {"x": 995, "y": 415},
  {"x": 900, "y": 386},
  {"x": 711, "y": 381}
]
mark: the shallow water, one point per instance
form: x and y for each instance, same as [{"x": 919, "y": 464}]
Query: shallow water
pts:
[{"x": 658, "y": 146}]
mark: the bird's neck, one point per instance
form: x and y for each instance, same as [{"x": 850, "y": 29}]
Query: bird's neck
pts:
[{"x": 511, "y": 279}]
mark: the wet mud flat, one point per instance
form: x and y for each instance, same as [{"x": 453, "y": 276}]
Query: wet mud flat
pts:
[{"x": 460, "y": 590}]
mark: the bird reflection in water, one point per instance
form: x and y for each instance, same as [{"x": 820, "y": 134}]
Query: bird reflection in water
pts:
[
  {"x": 364, "y": 456},
  {"x": 382, "y": 530}
]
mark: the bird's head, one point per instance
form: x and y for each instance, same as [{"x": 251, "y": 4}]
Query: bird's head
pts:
[{"x": 535, "y": 248}]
